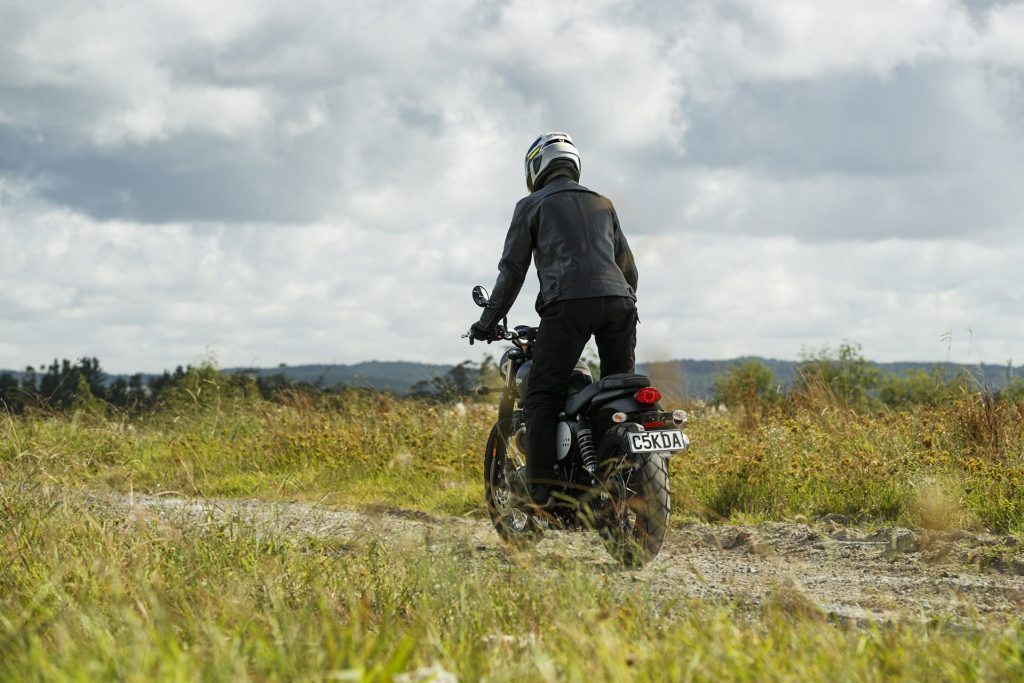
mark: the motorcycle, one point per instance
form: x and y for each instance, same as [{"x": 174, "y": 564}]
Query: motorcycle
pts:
[{"x": 612, "y": 445}]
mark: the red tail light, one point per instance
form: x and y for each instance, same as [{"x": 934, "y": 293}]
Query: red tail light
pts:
[{"x": 647, "y": 396}]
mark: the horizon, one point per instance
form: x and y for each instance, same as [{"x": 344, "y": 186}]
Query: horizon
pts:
[{"x": 271, "y": 366}]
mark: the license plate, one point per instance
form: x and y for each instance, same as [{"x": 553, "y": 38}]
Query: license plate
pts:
[{"x": 660, "y": 440}]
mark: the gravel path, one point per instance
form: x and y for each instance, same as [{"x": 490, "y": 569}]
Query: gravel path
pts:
[{"x": 847, "y": 572}]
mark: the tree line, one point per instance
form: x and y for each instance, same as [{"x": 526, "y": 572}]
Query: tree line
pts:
[
  {"x": 70, "y": 384},
  {"x": 67, "y": 385},
  {"x": 839, "y": 377}
]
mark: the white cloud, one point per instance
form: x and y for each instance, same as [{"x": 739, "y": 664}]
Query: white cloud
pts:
[
  {"x": 719, "y": 297},
  {"x": 146, "y": 297},
  {"x": 315, "y": 182},
  {"x": 159, "y": 115}
]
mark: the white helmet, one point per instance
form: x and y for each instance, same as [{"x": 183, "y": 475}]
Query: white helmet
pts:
[{"x": 545, "y": 150}]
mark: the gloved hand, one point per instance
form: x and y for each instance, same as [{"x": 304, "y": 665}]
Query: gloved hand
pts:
[{"x": 478, "y": 331}]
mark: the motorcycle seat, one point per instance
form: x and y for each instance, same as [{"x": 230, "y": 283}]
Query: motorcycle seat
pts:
[{"x": 576, "y": 403}]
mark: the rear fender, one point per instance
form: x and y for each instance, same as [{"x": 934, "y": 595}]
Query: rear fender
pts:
[
  {"x": 601, "y": 416},
  {"x": 626, "y": 404}
]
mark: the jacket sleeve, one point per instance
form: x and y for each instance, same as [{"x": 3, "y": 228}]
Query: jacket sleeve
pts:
[
  {"x": 624, "y": 256},
  {"x": 512, "y": 268}
]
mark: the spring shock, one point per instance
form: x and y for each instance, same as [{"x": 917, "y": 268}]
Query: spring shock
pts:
[{"x": 587, "y": 451}]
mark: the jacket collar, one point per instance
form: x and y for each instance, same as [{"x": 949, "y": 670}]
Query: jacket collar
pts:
[
  {"x": 559, "y": 184},
  {"x": 558, "y": 181}
]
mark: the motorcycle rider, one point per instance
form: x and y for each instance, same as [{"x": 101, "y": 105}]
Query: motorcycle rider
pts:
[{"x": 588, "y": 280}]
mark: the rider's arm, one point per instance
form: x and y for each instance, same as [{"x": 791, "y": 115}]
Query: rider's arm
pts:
[
  {"x": 624, "y": 256},
  {"x": 512, "y": 268}
]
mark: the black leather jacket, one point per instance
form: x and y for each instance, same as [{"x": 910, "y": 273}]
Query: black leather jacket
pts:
[{"x": 577, "y": 245}]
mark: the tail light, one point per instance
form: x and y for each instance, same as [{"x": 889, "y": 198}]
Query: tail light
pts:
[{"x": 647, "y": 396}]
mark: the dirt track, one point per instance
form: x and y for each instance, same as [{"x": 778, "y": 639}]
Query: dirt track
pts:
[{"x": 848, "y": 572}]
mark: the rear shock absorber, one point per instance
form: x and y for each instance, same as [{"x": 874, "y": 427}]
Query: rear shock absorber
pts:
[{"x": 587, "y": 450}]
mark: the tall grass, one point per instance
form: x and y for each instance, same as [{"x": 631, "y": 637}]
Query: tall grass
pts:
[
  {"x": 87, "y": 593},
  {"x": 798, "y": 457},
  {"x": 878, "y": 466},
  {"x": 358, "y": 447}
]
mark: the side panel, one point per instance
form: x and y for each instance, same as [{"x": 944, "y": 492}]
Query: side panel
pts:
[{"x": 563, "y": 440}]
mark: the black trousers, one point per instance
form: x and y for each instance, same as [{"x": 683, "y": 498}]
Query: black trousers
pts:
[{"x": 565, "y": 329}]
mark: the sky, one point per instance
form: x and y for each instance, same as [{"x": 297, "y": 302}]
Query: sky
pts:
[{"x": 313, "y": 182}]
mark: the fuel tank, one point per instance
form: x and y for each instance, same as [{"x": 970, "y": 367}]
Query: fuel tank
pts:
[
  {"x": 579, "y": 378},
  {"x": 523, "y": 378}
]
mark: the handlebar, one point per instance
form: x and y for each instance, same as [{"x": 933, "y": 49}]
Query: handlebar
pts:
[{"x": 500, "y": 334}]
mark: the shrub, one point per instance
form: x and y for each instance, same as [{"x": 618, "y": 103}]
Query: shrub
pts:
[
  {"x": 1013, "y": 392},
  {"x": 203, "y": 387},
  {"x": 841, "y": 378},
  {"x": 930, "y": 388},
  {"x": 747, "y": 385}
]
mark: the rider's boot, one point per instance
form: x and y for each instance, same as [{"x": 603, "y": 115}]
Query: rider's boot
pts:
[{"x": 540, "y": 496}]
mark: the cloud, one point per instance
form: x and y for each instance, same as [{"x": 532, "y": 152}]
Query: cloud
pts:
[
  {"x": 142, "y": 297},
  {"x": 724, "y": 296},
  {"x": 315, "y": 113},
  {"x": 304, "y": 182},
  {"x": 252, "y": 113}
]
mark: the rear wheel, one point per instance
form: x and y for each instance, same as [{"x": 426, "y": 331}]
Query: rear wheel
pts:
[
  {"x": 635, "y": 528},
  {"x": 504, "y": 488}
]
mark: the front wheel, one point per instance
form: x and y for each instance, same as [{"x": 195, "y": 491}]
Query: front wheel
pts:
[
  {"x": 635, "y": 529},
  {"x": 503, "y": 488}
]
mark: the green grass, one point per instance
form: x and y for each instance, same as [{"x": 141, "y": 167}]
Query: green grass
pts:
[
  {"x": 87, "y": 595},
  {"x": 357, "y": 449},
  {"x": 889, "y": 466},
  {"x": 958, "y": 465}
]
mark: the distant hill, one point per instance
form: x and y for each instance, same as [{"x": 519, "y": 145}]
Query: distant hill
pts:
[
  {"x": 696, "y": 378},
  {"x": 693, "y": 377},
  {"x": 395, "y": 376}
]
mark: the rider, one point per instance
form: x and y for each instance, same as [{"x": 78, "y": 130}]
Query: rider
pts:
[{"x": 587, "y": 287}]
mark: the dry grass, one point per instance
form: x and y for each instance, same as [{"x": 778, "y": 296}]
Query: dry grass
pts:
[
  {"x": 89, "y": 594},
  {"x": 957, "y": 465},
  {"x": 939, "y": 505}
]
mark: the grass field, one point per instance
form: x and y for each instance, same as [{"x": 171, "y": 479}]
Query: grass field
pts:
[
  {"x": 87, "y": 596},
  {"x": 86, "y": 593},
  {"x": 959, "y": 464}
]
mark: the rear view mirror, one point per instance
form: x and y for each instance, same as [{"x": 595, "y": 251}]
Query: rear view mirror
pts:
[{"x": 480, "y": 296}]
